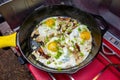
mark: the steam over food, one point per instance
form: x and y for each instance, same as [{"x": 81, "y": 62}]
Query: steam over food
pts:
[{"x": 61, "y": 42}]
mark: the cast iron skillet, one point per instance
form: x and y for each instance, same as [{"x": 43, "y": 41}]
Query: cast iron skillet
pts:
[{"x": 31, "y": 21}]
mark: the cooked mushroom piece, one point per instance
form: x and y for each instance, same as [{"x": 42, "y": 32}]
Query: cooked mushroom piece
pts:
[{"x": 42, "y": 53}]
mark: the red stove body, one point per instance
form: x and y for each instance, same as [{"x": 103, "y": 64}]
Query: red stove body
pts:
[
  {"x": 91, "y": 70},
  {"x": 110, "y": 52}
]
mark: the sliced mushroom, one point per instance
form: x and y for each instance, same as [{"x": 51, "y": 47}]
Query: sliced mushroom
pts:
[
  {"x": 34, "y": 33},
  {"x": 42, "y": 53},
  {"x": 59, "y": 27},
  {"x": 77, "y": 46},
  {"x": 65, "y": 19},
  {"x": 77, "y": 56}
]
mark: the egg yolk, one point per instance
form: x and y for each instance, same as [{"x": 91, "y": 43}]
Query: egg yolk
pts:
[
  {"x": 85, "y": 35},
  {"x": 53, "y": 46},
  {"x": 50, "y": 22}
]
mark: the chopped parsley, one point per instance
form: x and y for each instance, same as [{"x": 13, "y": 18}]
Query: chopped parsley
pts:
[
  {"x": 58, "y": 54},
  {"x": 48, "y": 62},
  {"x": 59, "y": 69},
  {"x": 46, "y": 39},
  {"x": 79, "y": 29},
  {"x": 81, "y": 54},
  {"x": 82, "y": 42},
  {"x": 62, "y": 38}
]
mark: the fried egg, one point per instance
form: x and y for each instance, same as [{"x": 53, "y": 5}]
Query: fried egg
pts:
[{"x": 66, "y": 42}]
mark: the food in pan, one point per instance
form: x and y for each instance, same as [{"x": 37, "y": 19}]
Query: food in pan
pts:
[{"x": 61, "y": 42}]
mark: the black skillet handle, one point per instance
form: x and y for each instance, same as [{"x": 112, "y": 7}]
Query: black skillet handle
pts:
[{"x": 102, "y": 23}]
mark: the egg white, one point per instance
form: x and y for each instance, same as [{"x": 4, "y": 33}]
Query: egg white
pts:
[{"x": 66, "y": 59}]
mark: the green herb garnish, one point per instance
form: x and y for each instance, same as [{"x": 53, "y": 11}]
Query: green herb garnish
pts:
[
  {"x": 59, "y": 69},
  {"x": 79, "y": 29},
  {"x": 62, "y": 38},
  {"x": 81, "y": 54},
  {"x": 82, "y": 42},
  {"x": 69, "y": 30},
  {"x": 58, "y": 54},
  {"x": 46, "y": 39},
  {"x": 48, "y": 62}
]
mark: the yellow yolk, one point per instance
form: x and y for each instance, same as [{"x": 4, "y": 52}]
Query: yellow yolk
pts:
[
  {"x": 50, "y": 22},
  {"x": 85, "y": 35},
  {"x": 52, "y": 46}
]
